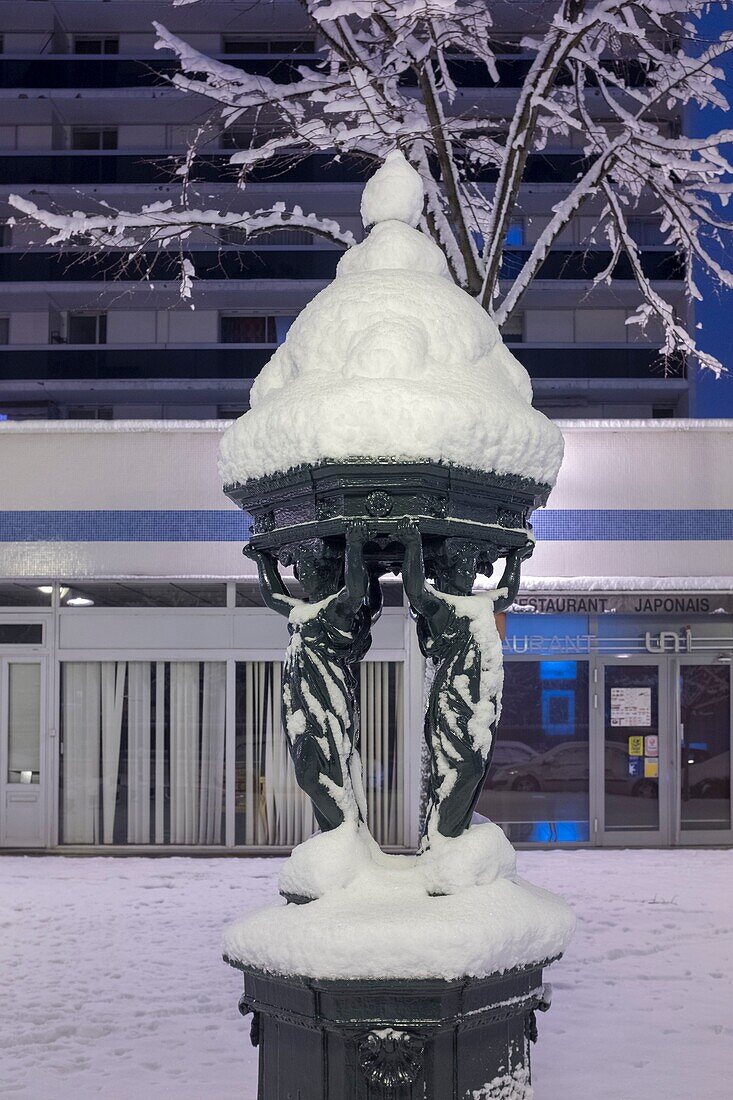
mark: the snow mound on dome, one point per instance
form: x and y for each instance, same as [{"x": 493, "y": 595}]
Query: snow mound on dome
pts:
[
  {"x": 454, "y": 912},
  {"x": 394, "y": 193},
  {"x": 392, "y": 361},
  {"x": 400, "y": 366},
  {"x": 393, "y": 246}
]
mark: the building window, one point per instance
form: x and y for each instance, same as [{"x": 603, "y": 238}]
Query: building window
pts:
[
  {"x": 133, "y": 593},
  {"x": 538, "y": 786},
  {"x": 5, "y": 236},
  {"x": 237, "y": 43},
  {"x": 24, "y": 722},
  {"x": 89, "y": 412},
  {"x": 235, "y": 138},
  {"x": 647, "y": 232},
  {"x": 143, "y": 752},
  {"x": 270, "y": 808},
  {"x": 513, "y": 328},
  {"x": 92, "y": 138},
  {"x": 86, "y": 328},
  {"x": 21, "y": 633},
  {"x": 515, "y": 233},
  {"x": 275, "y": 238},
  {"x": 143, "y": 758},
  {"x": 25, "y": 594},
  {"x": 4, "y": 330},
  {"x": 231, "y": 235},
  {"x": 281, "y": 238},
  {"x": 232, "y": 412},
  {"x": 600, "y": 326},
  {"x": 247, "y": 330},
  {"x": 96, "y": 44},
  {"x": 31, "y": 410}
]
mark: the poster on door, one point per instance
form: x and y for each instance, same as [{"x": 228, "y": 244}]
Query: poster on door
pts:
[
  {"x": 636, "y": 746},
  {"x": 631, "y": 706}
]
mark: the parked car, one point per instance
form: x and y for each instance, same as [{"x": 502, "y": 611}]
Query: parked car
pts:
[{"x": 566, "y": 767}]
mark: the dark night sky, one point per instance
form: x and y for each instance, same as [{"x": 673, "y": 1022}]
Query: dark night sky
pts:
[{"x": 710, "y": 396}]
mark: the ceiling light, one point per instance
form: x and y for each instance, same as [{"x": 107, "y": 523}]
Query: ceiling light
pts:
[{"x": 80, "y": 601}]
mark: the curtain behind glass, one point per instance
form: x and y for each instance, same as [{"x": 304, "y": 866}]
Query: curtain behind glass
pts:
[
  {"x": 213, "y": 715},
  {"x": 113, "y": 695},
  {"x": 81, "y": 717},
  {"x": 382, "y": 747},
  {"x": 138, "y": 752},
  {"x": 270, "y": 807},
  {"x": 149, "y": 736}
]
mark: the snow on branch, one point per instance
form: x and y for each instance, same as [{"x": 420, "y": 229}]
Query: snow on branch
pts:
[
  {"x": 161, "y": 227},
  {"x": 160, "y": 223}
]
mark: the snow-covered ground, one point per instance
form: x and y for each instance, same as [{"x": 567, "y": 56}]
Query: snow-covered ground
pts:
[{"x": 113, "y": 984}]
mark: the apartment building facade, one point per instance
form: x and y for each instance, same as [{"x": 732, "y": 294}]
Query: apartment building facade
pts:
[{"x": 89, "y": 119}]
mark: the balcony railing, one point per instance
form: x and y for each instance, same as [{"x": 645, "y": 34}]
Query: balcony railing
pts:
[
  {"x": 122, "y": 363},
  {"x": 72, "y": 71},
  {"x": 64, "y": 167},
  {"x": 300, "y": 264}
]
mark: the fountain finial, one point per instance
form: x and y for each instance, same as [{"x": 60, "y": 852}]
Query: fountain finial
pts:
[{"x": 394, "y": 193}]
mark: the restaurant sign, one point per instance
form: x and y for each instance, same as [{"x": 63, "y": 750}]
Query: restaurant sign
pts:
[{"x": 635, "y": 603}]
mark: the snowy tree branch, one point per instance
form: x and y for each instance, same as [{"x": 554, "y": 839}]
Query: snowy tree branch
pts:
[{"x": 610, "y": 74}]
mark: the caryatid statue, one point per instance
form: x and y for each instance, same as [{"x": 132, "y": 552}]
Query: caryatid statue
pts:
[
  {"x": 330, "y": 632},
  {"x": 458, "y": 634}
]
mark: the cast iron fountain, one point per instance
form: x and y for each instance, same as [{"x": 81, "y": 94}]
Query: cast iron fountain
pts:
[{"x": 393, "y": 433}]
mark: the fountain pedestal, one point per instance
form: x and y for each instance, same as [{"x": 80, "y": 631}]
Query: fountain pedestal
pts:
[
  {"x": 394, "y": 1040},
  {"x": 393, "y": 431}
]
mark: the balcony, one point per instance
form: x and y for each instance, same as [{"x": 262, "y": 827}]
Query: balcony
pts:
[
  {"x": 215, "y": 361},
  {"x": 114, "y": 167},
  {"x": 299, "y": 264},
  {"x": 112, "y": 71}
]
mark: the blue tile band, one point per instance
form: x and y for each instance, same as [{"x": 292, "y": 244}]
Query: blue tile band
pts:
[
  {"x": 163, "y": 525},
  {"x": 633, "y": 524},
  {"x": 226, "y": 525}
]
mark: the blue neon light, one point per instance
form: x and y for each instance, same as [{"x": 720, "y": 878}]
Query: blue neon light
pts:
[{"x": 558, "y": 670}]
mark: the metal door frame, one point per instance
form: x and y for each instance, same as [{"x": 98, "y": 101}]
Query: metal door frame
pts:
[
  {"x": 663, "y": 836},
  {"x": 694, "y": 838},
  {"x": 43, "y": 787}
]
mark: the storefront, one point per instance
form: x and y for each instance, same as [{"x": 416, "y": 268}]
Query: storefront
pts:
[
  {"x": 149, "y": 714},
  {"x": 616, "y": 722},
  {"x": 139, "y": 673},
  {"x": 124, "y": 724}
]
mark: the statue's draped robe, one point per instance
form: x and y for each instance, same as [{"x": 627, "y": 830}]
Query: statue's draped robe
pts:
[
  {"x": 321, "y": 711},
  {"x": 462, "y": 711}
]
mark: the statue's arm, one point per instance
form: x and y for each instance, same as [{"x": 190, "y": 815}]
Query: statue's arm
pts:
[
  {"x": 375, "y": 597},
  {"x": 512, "y": 575},
  {"x": 272, "y": 586},
  {"x": 422, "y": 599},
  {"x": 356, "y": 578}
]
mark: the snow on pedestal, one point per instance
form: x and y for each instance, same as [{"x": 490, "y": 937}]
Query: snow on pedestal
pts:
[
  {"x": 458, "y": 910},
  {"x": 392, "y": 360}
]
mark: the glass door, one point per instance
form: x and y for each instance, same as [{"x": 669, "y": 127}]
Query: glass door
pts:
[
  {"x": 537, "y": 788},
  {"x": 703, "y": 752},
  {"x": 21, "y": 753},
  {"x": 633, "y": 727}
]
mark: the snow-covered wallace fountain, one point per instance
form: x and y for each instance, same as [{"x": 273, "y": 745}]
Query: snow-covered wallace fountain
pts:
[{"x": 394, "y": 431}]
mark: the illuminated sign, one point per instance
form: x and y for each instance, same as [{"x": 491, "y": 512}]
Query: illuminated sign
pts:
[{"x": 641, "y": 603}]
